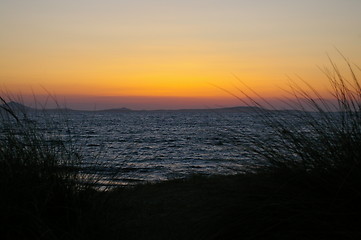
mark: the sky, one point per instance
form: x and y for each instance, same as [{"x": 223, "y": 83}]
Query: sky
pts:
[{"x": 170, "y": 54}]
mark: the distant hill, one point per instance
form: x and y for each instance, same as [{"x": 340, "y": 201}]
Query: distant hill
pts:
[
  {"x": 20, "y": 107},
  {"x": 227, "y": 109},
  {"x": 116, "y": 110},
  {"x": 15, "y": 106}
]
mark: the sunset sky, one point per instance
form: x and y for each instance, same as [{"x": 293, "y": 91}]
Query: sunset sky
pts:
[{"x": 170, "y": 53}]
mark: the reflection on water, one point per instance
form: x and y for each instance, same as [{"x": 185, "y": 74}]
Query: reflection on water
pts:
[{"x": 153, "y": 146}]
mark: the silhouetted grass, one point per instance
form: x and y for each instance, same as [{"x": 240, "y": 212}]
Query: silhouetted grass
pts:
[
  {"x": 323, "y": 139},
  {"x": 314, "y": 153},
  {"x": 43, "y": 193}
]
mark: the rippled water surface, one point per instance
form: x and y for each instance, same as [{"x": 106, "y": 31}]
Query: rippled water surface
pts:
[{"x": 153, "y": 146}]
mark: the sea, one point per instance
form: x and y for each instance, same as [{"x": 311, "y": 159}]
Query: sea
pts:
[
  {"x": 131, "y": 147},
  {"x": 126, "y": 147}
]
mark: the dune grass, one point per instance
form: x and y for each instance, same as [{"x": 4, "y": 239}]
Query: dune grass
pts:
[
  {"x": 322, "y": 140},
  {"x": 315, "y": 154},
  {"x": 43, "y": 193}
]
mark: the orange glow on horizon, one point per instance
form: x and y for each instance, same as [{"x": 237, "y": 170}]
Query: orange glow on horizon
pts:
[{"x": 177, "y": 49}]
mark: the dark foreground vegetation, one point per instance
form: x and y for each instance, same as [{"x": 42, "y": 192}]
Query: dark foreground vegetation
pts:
[{"x": 305, "y": 184}]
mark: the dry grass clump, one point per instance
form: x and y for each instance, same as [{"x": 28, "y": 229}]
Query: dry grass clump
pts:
[{"x": 324, "y": 138}]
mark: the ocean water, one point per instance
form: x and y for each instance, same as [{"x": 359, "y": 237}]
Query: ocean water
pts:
[
  {"x": 133, "y": 147},
  {"x": 145, "y": 146}
]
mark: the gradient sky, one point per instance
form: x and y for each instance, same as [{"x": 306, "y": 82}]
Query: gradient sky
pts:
[{"x": 170, "y": 53}]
